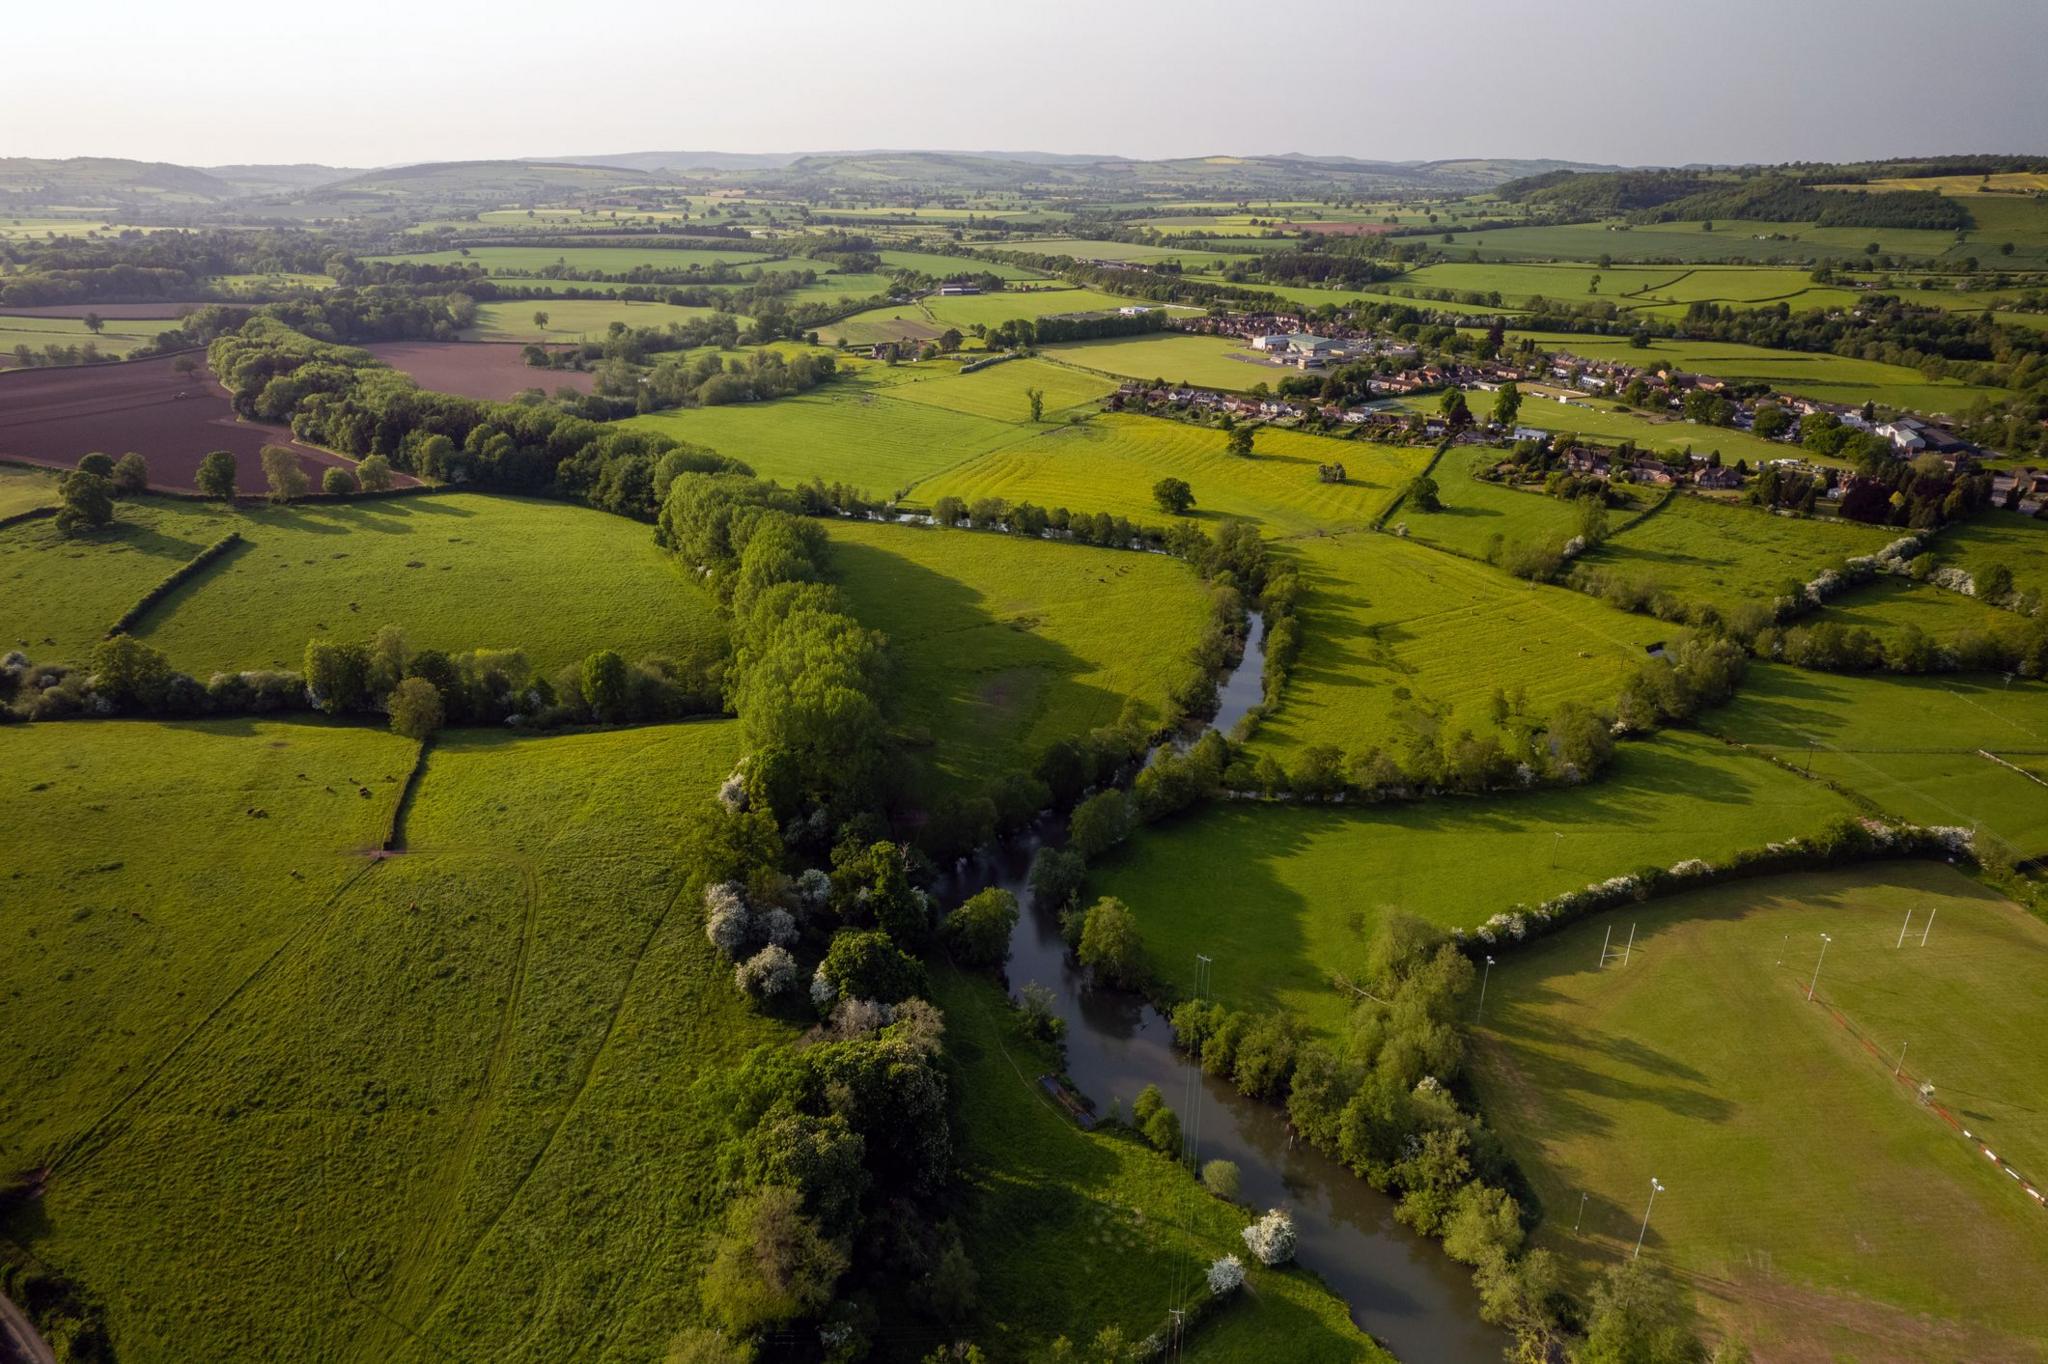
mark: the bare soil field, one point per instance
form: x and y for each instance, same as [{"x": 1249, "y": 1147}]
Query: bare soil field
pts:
[
  {"x": 52, "y": 416},
  {"x": 491, "y": 370}
]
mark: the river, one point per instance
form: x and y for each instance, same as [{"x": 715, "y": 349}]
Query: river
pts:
[{"x": 1400, "y": 1286}]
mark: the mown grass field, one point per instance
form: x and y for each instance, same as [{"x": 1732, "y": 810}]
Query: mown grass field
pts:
[
  {"x": 1081, "y": 248},
  {"x": 930, "y": 316},
  {"x": 117, "y": 336},
  {"x": 1110, "y": 464},
  {"x": 1074, "y": 1231},
  {"x": 1815, "y": 1207},
  {"x": 575, "y": 319},
  {"x": 862, "y": 435},
  {"x": 1725, "y": 554},
  {"x": 1397, "y": 640},
  {"x": 309, "y": 1106},
  {"x": 1606, "y": 421},
  {"x": 25, "y": 489},
  {"x": 1832, "y": 378},
  {"x": 1284, "y": 898},
  {"x": 457, "y": 572},
  {"x": 2018, "y": 542},
  {"x": 1914, "y": 745},
  {"x": 1204, "y": 361},
  {"x": 62, "y": 593},
  {"x": 1001, "y": 644}
]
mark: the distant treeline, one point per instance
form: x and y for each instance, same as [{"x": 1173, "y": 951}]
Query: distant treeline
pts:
[{"x": 1665, "y": 196}]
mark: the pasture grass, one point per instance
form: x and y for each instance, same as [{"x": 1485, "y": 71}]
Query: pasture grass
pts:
[
  {"x": 1889, "y": 605},
  {"x": 1399, "y": 642},
  {"x": 118, "y": 336},
  {"x": 59, "y": 595},
  {"x": 1912, "y": 745},
  {"x": 575, "y": 319},
  {"x": 456, "y": 572},
  {"x": 1689, "y": 242},
  {"x": 2018, "y": 542},
  {"x": 313, "y": 1106},
  {"x": 939, "y": 266},
  {"x": 1476, "y": 511},
  {"x": 1703, "y": 550},
  {"x": 1203, "y": 361},
  {"x": 998, "y": 392},
  {"x": 1001, "y": 644},
  {"x": 1285, "y": 898},
  {"x": 23, "y": 489},
  {"x": 859, "y": 434},
  {"x": 1111, "y": 462},
  {"x": 1603, "y": 419},
  {"x": 1832, "y": 378},
  {"x": 596, "y": 259},
  {"x": 1808, "y": 1192},
  {"x": 1074, "y": 1231}
]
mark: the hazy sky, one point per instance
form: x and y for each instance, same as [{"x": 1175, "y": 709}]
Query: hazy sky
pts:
[{"x": 374, "y": 82}]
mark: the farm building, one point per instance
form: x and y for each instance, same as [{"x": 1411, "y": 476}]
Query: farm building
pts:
[{"x": 954, "y": 290}]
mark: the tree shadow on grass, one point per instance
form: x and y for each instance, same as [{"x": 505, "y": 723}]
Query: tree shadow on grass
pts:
[{"x": 980, "y": 690}]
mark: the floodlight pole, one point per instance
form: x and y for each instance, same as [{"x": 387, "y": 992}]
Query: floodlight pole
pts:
[
  {"x": 1815, "y": 983},
  {"x": 1655, "y": 1189},
  {"x": 1484, "y": 976}
]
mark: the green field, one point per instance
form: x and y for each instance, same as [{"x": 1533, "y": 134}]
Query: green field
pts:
[
  {"x": 1725, "y": 554},
  {"x": 1083, "y": 249},
  {"x": 934, "y": 314},
  {"x": 457, "y": 572},
  {"x": 118, "y": 335},
  {"x": 1397, "y": 640},
  {"x": 1688, "y": 242},
  {"x": 1002, "y": 644},
  {"x": 607, "y": 260},
  {"x": 1890, "y": 605},
  {"x": 857, "y": 434},
  {"x": 1831, "y": 378},
  {"x": 998, "y": 392},
  {"x": 1608, "y": 421},
  {"x": 1475, "y": 511},
  {"x": 1204, "y": 361},
  {"x": 1074, "y": 1230},
  {"x": 1808, "y": 1194},
  {"x": 23, "y": 489},
  {"x": 575, "y": 319},
  {"x": 934, "y": 264},
  {"x": 304, "y": 1105},
  {"x": 1110, "y": 464},
  {"x": 1999, "y": 537},
  {"x": 1914, "y": 745},
  {"x": 61, "y": 594},
  {"x": 1284, "y": 898}
]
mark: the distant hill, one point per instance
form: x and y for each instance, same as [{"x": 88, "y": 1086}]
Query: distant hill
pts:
[
  {"x": 281, "y": 179},
  {"x": 463, "y": 185},
  {"x": 109, "y": 182}
]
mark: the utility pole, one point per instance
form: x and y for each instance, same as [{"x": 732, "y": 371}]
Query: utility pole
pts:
[
  {"x": 1655, "y": 1189},
  {"x": 1815, "y": 983}
]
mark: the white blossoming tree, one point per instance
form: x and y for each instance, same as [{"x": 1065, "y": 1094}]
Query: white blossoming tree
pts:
[
  {"x": 769, "y": 972},
  {"x": 726, "y": 921},
  {"x": 1271, "y": 1238},
  {"x": 1226, "y": 1276}
]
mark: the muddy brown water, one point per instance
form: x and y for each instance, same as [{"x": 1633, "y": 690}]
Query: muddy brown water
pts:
[{"x": 1399, "y": 1285}]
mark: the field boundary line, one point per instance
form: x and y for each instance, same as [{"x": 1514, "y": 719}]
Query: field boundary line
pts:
[
  {"x": 1984, "y": 753},
  {"x": 76, "y": 1148},
  {"x": 22, "y": 518},
  {"x": 177, "y": 578}
]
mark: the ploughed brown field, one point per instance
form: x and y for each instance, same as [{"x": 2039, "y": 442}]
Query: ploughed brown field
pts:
[
  {"x": 491, "y": 370},
  {"x": 52, "y": 416}
]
